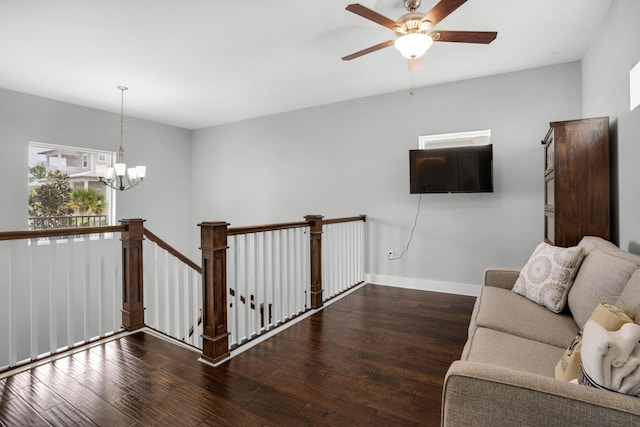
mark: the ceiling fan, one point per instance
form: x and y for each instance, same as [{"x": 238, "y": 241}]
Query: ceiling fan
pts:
[{"x": 414, "y": 29}]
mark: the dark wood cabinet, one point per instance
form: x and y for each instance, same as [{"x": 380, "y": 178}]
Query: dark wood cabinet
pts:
[{"x": 577, "y": 181}]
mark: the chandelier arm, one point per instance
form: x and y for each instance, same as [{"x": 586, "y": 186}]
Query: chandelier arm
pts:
[
  {"x": 135, "y": 182},
  {"x": 118, "y": 182}
]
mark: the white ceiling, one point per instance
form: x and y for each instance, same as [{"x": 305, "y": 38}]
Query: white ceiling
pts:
[{"x": 198, "y": 63}]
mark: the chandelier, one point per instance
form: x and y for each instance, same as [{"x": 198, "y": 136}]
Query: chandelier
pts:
[{"x": 120, "y": 177}]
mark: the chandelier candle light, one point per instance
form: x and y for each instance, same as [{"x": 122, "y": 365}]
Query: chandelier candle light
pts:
[{"x": 119, "y": 177}]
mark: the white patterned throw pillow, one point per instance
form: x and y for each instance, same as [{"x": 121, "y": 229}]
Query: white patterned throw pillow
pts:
[{"x": 548, "y": 275}]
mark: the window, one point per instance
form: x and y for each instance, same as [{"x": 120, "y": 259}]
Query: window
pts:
[
  {"x": 53, "y": 177},
  {"x": 480, "y": 137}
]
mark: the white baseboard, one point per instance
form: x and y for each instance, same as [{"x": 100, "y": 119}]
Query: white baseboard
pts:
[{"x": 424, "y": 284}]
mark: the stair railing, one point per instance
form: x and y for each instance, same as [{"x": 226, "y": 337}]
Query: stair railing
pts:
[
  {"x": 343, "y": 243},
  {"x": 59, "y": 288},
  {"x": 256, "y": 278},
  {"x": 268, "y": 278},
  {"x": 172, "y": 291}
]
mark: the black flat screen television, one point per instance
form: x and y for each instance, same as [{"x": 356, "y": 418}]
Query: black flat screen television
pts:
[{"x": 467, "y": 169}]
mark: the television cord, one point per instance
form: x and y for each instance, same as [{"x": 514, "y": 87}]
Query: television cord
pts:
[{"x": 415, "y": 222}]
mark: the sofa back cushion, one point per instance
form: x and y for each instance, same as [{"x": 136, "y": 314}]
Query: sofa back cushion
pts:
[
  {"x": 605, "y": 271},
  {"x": 630, "y": 296}
]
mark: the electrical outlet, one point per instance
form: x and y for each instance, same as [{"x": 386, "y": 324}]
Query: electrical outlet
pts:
[{"x": 390, "y": 254}]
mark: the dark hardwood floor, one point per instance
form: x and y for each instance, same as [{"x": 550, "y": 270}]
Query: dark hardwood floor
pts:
[{"x": 378, "y": 356}]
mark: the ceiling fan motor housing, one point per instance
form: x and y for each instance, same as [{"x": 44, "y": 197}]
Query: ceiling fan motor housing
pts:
[
  {"x": 411, "y": 23},
  {"x": 412, "y": 5}
]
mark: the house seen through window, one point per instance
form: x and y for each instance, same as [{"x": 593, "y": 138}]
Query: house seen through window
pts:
[{"x": 64, "y": 190}]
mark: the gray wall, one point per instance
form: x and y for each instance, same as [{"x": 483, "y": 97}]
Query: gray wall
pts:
[
  {"x": 605, "y": 88},
  {"x": 352, "y": 157},
  {"x": 162, "y": 199}
]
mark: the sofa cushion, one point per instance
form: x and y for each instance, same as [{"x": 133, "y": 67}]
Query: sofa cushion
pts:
[
  {"x": 604, "y": 272},
  {"x": 590, "y": 243},
  {"x": 506, "y": 311},
  {"x": 548, "y": 275},
  {"x": 509, "y": 351},
  {"x": 630, "y": 296}
]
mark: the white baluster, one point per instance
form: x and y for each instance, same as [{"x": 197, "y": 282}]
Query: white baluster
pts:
[
  {"x": 268, "y": 278},
  {"x": 6, "y": 331},
  {"x": 232, "y": 283}
]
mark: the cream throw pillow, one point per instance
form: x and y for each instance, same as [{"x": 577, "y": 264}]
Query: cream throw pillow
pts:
[{"x": 548, "y": 275}]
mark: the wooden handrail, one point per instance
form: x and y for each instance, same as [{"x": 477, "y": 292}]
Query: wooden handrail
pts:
[
  {"x": 284, "y": 225},
  {"x": 167, "y": 247},
  {"x": 58, "y": 232},
  {"x": 267, "y": 227},
  {"x": 346, "y": 219}
]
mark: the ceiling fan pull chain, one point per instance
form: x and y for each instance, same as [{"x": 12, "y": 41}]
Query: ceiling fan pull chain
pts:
[
  {"x": 411, "y": 72},
  {"x": 414, "y": 65}
]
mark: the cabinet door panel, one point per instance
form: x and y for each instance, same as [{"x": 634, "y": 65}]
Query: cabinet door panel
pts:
[
  {"x": 550, "y": 192},
  {"x": 549, "y": 229},
  {"x": 549, "y": 156}
]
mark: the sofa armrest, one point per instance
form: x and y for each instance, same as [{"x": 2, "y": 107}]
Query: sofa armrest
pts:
[
  {"x": 501, "y": 277},
  {"x": 486, "y": 395}
]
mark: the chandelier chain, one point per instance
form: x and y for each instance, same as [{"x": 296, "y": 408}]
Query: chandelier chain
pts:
[{"x": 122, "y": 89}]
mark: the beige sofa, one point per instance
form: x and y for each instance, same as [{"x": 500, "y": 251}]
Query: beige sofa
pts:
[{"x": 506, "y": 373}]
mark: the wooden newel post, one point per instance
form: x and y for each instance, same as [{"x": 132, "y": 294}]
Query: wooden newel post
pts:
[
  {"x": 132, "y": 280},
  {"x": 215, "y": 338},
  {"x": 315, "y": 225}
]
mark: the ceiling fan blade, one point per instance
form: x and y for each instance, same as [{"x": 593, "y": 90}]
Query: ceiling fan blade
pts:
[
  {"x": 371, "y": 15},
  {"x": 367, "y": 50},
  {"x": 481, "y": 37},
  {"x": 442, "y": 10}
]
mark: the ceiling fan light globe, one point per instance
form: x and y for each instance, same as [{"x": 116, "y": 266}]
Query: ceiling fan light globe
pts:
[{"x": 413, "y": 45}]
